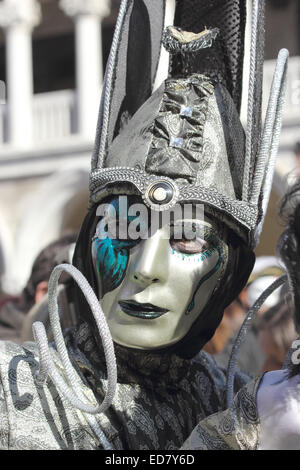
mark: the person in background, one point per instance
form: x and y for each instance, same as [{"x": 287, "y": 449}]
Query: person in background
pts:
[
  {"x": 231, "y": 322},
  {"x": 251, "y": 356},
  {"x": 276, "y": 332},
  {"x": 16, "y": 312},
  {"x": 266, "y": 270}
]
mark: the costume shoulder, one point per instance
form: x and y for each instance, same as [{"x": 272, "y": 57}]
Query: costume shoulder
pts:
[
  {"x": 33, "y": 416},
  {"x": 237, "y": 428}
]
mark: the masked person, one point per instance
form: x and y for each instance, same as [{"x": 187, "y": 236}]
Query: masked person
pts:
[{"x": 162, "y": 293}]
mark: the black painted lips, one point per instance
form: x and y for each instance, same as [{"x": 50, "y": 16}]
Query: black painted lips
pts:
[{"x": 146, "y": 311}]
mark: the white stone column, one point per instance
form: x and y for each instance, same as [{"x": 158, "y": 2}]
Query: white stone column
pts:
[
  {"x": 18, "y": 18},
  {"x": 87, "y": 16}
]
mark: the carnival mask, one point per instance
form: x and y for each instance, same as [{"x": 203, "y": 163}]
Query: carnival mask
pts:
[{"x": 152, "y": 287}]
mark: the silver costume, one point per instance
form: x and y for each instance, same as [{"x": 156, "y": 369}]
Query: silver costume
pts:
[
  {"x": 185, "y": 139},
  {"x": 142, "y": 416}
]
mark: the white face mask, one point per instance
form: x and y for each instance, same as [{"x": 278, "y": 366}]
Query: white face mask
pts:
[{"x": 166, "y": 285}]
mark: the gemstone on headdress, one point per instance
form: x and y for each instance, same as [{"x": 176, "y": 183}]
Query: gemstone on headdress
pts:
[
  {"x": 160, "y": 193},
  {"x": 186, "y": 110},
  {"x": 176, "y": 141}
]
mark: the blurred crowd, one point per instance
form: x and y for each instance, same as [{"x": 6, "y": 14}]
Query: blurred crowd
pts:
[
  {"x": 17, "y": 314},
  {"x": 272, "y": 332}
]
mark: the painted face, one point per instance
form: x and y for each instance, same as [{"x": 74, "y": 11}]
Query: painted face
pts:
[{"x": 153, "y": 289}]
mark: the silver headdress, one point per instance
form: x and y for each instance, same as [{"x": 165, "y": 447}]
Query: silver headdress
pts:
[{"x": 186, "y": 137}]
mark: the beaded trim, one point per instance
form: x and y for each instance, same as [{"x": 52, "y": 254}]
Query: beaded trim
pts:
[{"x": 241, "y": 211}]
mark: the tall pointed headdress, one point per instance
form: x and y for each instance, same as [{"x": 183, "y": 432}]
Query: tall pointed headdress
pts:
[{"x": 186, "y": 138}]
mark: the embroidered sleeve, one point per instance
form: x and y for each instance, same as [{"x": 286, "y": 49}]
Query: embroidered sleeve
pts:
[{"x": 236, "y": 428}]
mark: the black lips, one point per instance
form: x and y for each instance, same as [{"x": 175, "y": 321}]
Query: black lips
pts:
[{"x": 137, "y": 309}]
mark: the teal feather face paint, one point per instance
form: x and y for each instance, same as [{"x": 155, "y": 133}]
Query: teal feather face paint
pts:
[{"x": 110, "y": 254}]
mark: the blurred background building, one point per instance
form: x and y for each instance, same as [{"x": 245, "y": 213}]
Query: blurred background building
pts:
[{"x": 52, "y": 57}]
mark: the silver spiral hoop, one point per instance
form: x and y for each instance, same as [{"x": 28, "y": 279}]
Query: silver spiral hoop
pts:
[{"x": 72, "y": 390}]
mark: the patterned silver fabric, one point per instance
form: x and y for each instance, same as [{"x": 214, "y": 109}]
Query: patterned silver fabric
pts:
[
  {"x": 160, "y": 399},
  {"x": 236, "y": 428},
  {"x": 32, "y": 417}
]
